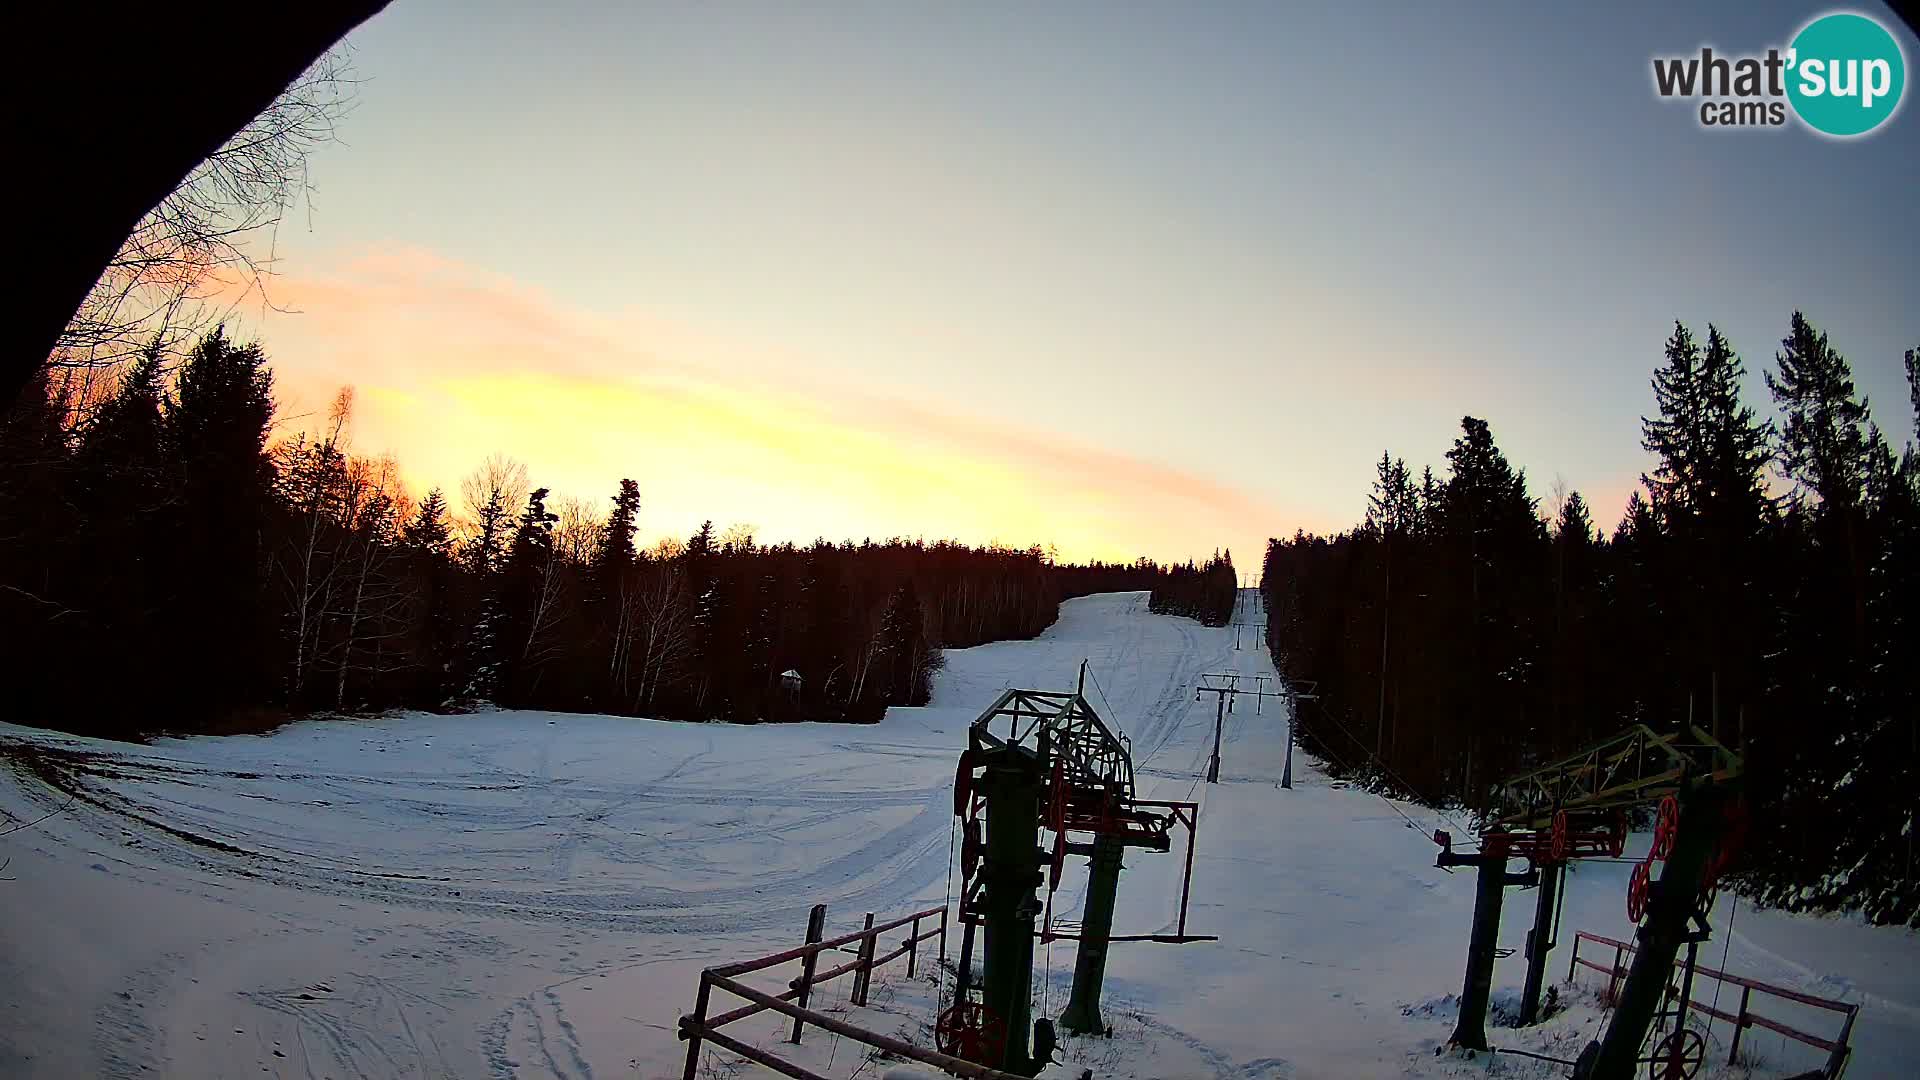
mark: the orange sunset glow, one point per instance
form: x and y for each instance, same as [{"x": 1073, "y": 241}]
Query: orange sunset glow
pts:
[{"x": 450, "y": 364}]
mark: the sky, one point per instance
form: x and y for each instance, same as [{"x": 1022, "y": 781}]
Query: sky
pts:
[{"x": 1127, "y": 278}]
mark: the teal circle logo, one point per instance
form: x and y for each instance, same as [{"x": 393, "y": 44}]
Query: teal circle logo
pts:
[{"x": 1845, "y": 74}]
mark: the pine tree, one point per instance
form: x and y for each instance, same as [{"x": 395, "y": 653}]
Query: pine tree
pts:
[
  {"x": 1495, "y": 541},
  {"x": 427, "y": 530},
  {"x": 216, "y": 433},
  {"x": 121, "y": 446},
  {"x": 1677, "y": 437},
  {"x": 42, "y": 587},
  {"x": 121, "y": 477},
  {"x": 1823, "y": 438},
  {"x": 1913, "y": 384},
  {"x": 1737, "y": 446},
  {"x": 1575, "y": 523},
  {"x": 530, "y": 586},
  {"x": 1709, "y": 495},
  {"x": 616, "y": 546},
  {"x": 1830, "y": 450},
  {"x": 903, "y": 656}
]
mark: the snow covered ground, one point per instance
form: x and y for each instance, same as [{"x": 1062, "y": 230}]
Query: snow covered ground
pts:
[{"x": 533, "y": 895}]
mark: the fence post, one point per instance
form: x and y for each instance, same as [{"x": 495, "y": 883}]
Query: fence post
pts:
[
  {"x": 943, "y": 935},
  {"x": 864, "y": 972},
  {"x": 1837, "y": 1062},
  {"x": 1739, "y": 1025},
  {"x": 913, "y": 945},
  {"x": 1575, "y": 961},
  {"x": 700, "y": 1023},
  {"x": 1613, "y": 976},
  {"x": 816, "y": 929}
]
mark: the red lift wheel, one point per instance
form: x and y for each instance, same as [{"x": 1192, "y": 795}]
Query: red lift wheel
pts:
[
  {"x": 1559, "y": 848},
  {"x": 1665, "y": 827},
  {"x": 1678, "y": 1056},
  {"x": 963, "y": 783},
  {"x": 1058, "y": 862},
  {"x": 970, "y": 849},
  {"x": 1637, "y": 888},
  {"x": 970, "y": 1030}
]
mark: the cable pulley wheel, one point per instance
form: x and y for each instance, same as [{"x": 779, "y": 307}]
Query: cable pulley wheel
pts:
[
  {"x": 1637, "y": 888},
  {"x": 1665, "y": 827},
  {"x": 1678, "y": 1056},
  {"x": 970, "y": 1030}
]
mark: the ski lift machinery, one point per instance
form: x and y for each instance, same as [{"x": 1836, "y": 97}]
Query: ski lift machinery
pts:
[{"x": 1037, "y": 762}]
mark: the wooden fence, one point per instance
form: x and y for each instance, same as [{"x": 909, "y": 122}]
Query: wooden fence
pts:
[
  {"x": 698, "y": 1027},
  {"x": 1838, "y": 1048}
]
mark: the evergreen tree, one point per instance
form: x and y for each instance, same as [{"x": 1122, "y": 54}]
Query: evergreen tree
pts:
[
  {"x": 216, "y": 434},
  {"x": 43, "y": 595},
  {"x": 530, "y": 588},
  {"x": 1677, "y": 437},
  {"x": 427, "y": 530},
  {"x": 1823, "y": 437},
  {"x": 616, "y": 545}
]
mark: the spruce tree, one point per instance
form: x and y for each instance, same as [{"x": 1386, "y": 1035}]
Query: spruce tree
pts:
[
  {"x": 616, "y": 545},
  {"x": 1677, "y": 436},
  {"x": 216, "y": 433},
  {"x": 427, "y": 530},
  {"x": 1823, "y": 435}
]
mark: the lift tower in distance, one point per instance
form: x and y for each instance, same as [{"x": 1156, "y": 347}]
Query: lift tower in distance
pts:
[
  {"x": 1226, "y": 688},
  {"x": 1043, "y": 761}
]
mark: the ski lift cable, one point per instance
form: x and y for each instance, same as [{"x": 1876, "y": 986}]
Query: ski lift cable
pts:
[
  {"x": 1391, "y": 805},
  {"x": 1726, "y": 947},
  {"x": 1384, "y": 767}
]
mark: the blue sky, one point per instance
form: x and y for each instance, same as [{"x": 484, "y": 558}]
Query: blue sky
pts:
[{"x": 1099, "y": 252}]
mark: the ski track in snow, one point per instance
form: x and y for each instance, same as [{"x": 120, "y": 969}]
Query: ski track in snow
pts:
[{"x": 517, "y": 895}]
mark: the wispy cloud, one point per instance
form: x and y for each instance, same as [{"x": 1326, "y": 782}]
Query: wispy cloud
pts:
[{"x": 452, "y": 363}]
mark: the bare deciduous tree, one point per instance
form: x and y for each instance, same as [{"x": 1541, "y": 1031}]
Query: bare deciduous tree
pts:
[
  {"x": 209, "y": 245},
  {"x": 576, "y": 536},
  {"x": 738, "y": 537},
  {"x": 374, "y": 601},
  {"x": 312, "y": 472},
  {"x": 660, "y": 615},
  {"x": 493, "y": 492}
]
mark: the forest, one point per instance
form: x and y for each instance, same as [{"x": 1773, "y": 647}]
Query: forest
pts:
[
  {"x": 1762, "y": 584},
  {"x": 167, "y": 563},
  {"x": 1205, "y": 593}
]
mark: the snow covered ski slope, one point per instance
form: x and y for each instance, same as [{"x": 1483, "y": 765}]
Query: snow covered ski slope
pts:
[{"x": 533, "y": 895}]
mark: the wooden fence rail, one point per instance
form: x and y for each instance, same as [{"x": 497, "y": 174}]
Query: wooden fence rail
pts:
[
  {"x": 698, "y": 1027},
  {"x": 1838, "y": 1048}
]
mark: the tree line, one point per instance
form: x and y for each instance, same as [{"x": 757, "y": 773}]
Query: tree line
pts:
[
  {"x": 1205, "y": 592},
  {"x": 1762, "y": 584},
  {"x": 166, "y": 563}
]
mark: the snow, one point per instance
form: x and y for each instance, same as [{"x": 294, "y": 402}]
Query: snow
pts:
[{"x": 533, "y": 895}]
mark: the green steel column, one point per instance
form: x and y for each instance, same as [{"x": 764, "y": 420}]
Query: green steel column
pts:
[
  {"x": 1083, "y": 1008},
  {"x": 1010, "y": 874},
  {"x": 1540, "y": 941},
  {"x": 1660, "y": 936},
  {"x": 1491, "y": 863}
]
